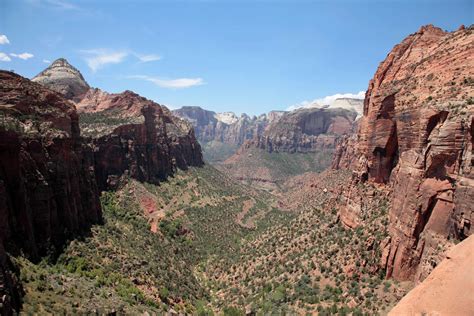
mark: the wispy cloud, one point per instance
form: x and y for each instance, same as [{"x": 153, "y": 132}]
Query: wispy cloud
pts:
[
  {"x": 55, "y": 4},
  {"x": 97, "y": 58},
  {"x": 179, "y": 83},
  {"x": 61, "y": 4},
  {"x": 148, "y": 58},
  {"x": 4, "y": 39},
  {"x": 46, "y": 61},
  {"x": 23, "y": 56},
  {"x": 327, "y": 100},
  {"x": 4, "y": 57}
]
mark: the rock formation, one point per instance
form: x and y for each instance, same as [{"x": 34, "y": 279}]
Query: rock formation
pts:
[
  {"x": 137, "y": 137},
  {"x": 48, "y": 190},
  {"x": 62, "y": 77},
  {"x": 416, "y": 137},
  {"x": 225, "y": 127},
  {"x": 447, "y": 290},
  {"x": 306, "y": 130},
  {"x": 130, "y": 135}
]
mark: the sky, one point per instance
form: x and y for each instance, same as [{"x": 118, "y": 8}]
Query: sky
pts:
[{"x": 240, "y": 56}]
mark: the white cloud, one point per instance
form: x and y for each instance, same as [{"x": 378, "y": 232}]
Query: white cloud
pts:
[
  {"x": 180, "y": 83},
  {"x": 46, "y": 61},
  {"x": 4, "y": 39},
  {"x": 148, "y": 58},
  {"x": 4, "y": 57},
  {"x": 97, "y": 58},
  {"x": 63, "y": 5},
  {"x": 55, "y": 4},
  {"x": 327, "y": 100},
  {"x": 23, "y": 56}
]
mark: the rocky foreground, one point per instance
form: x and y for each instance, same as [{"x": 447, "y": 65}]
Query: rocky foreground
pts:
[{"x": 447, "y": 290}]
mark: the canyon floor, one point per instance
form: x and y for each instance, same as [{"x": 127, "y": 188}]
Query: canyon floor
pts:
[{"x": 204, "y": 243}]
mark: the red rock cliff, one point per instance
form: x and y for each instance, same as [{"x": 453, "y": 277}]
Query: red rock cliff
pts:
[
  {"x": 416, "y": 136},
  {"x": 48, "y": 190},
  {"x": 130, "y": 135},
  {"x": 137, "y": 137}
]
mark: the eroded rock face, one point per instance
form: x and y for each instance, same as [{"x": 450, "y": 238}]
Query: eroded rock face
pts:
[
  {"x": 48, "y": 191},
  {"x": 416, "y": 137},
  {"x": 62, "y": 77},
  {"x": 139, "y": 138},
  {"x": 306, "y": 130},
  {"x": 225, "y": 127},
  {"x": 447, "y": 290},
  {"x": 130, "y": 135}
]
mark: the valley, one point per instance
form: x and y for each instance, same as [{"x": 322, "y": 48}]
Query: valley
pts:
[{"x": 112, "y": 204}]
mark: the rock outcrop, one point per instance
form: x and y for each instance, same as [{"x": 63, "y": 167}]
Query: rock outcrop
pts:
[
  {"x": 447, "y": 290},
  {"x": 62, "y": 77},
  {"x": 306, "y": 130},
  {"x": 137, "y": 137},
  {"x": 130, "y": 135},
  {"x": 416, "y": 137},
  {"x": 225, "y": 127},
  {"x": 48, "y": 191}
]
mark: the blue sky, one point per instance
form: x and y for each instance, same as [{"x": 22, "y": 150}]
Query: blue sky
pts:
[{"x": 241, "y": 56}]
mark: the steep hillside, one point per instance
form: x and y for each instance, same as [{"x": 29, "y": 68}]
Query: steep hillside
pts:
[
  {"x": 416, "y": 140},
  {"x": 147, "y": 255},
  {"x": 311, "y": 262}
]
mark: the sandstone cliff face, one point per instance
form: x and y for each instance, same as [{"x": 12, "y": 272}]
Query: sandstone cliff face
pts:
[
  {"x": 416, "y": 137},
  {"x": 130, "y": 135},
  {"x": 61, "y": 77},
  {"x": 225, "y": 127},
  {"x": 306, "y": 130},
  {"x": 137, "y": 137},
  {"x": 48, "y": 190},
  {"x": 447, "y": 290}
]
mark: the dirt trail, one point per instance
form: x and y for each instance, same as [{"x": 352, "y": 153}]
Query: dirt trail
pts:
[{"x": 246, "y": 207}]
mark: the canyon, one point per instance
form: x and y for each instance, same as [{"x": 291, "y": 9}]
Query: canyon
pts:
[
  {"x": 112, "y": 203},
  {"x": 222, "y": 134}
]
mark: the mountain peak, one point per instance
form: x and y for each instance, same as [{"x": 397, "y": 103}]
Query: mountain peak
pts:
[{"x": 64, "y": 78}]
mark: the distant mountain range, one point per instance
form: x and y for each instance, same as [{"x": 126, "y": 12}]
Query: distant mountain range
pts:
[{"x": 221, "y": 134}]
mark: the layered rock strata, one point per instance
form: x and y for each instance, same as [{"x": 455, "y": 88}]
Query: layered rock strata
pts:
[
  {"x": 416, "y": 137},
  {"x": 48, "y": 191},
  {"x": 306, "y": 130}
]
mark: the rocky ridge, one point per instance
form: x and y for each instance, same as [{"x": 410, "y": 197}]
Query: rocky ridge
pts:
[
  {"x": 416, "y": 140},
  {"x": 131, "y": 135},
  {"x": 447, "y": 290},
  {"x": 62, "y": 77},
  {"x": 305, "y": 130},
  {"x": 225, "y": 127}
]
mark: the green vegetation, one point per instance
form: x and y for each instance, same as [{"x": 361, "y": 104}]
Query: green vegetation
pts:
[
  {"x": 258, "y": 167},
  {"x": 219, "y": 248},
  {"x": 216, "y": 152},
  {"x": 100, "y": 123}
]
